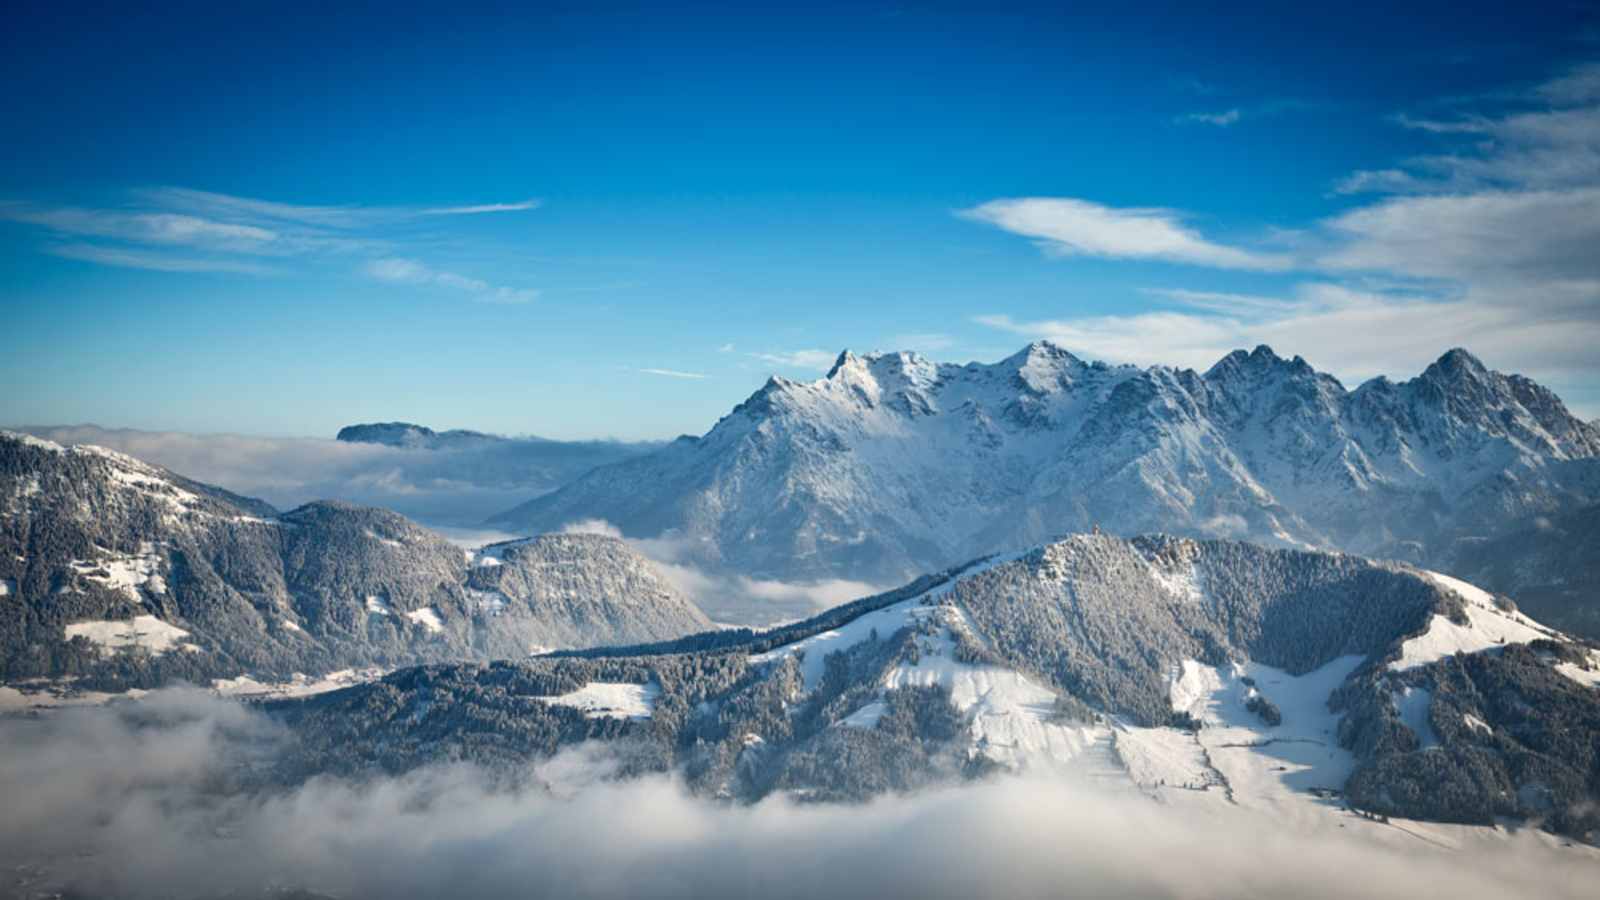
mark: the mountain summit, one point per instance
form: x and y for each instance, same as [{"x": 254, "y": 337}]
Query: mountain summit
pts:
[{"x": 892, "y": 464}]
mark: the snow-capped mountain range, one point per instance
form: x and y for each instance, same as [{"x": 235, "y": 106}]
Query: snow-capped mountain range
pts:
[{"x": 893, "y": 464}]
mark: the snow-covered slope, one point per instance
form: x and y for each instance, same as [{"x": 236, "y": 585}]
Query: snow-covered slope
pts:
[
  {"x": 125, "y": 574},
  {"x": 1488, "y": 625},
  {"x": 893, "y": 464},
  {"x": 1216, "y": 671}
]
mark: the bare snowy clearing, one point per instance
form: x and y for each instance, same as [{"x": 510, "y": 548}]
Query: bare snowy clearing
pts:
[
  {"x": 601, "y": 699},
  {"x": 145, "y": 632}
]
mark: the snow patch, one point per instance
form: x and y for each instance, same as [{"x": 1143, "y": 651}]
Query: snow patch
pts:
[
  {"x": 428, "y": 618},
  {"x": 815, "y": 649},
  {"x": 1588, "y": 676},
  {"x": 1488, "y": 626},
  {"x": 885, "y": 622},
  {"x": 490, "y": 603},
  {"x": 388, "y": 542},
  {"x": 1165, "y": 758},
  {"x": 1275, "y": 768},
  {"x": 605, "y": 699},
  {"x": 1184, "y": 583},
  {"x": 300, "y": 685},
  {"x": 147, "y": 632},
  {"x": 131, "y": 473},
  {"x": 1011, "y": 718},
  {"x": 867, "y": 716},
  {"x": 124, "y": 572},
  {"x": 1194, "y": 688},
  {"x": 1413, "y": 705}
]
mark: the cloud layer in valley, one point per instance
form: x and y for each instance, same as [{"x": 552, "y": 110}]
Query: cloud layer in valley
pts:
[
  {"x": 155, "y": 799},
  {"x": 730, "y": 597}
]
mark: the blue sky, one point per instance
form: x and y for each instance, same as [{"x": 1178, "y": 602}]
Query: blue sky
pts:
[{"x": 611, "y": 220}]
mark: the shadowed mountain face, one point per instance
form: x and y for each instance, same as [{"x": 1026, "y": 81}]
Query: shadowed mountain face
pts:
[
  {"x": 1182, "y": 664},
  {"x": 125, "y": 574},
  {"x": 892, "y": 464}
]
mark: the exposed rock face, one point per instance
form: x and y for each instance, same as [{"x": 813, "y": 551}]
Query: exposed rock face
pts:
[{"x": 127, "y": 574}]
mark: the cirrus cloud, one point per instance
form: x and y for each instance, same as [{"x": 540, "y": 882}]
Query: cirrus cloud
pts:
[
  {"x": 172, "y": 229},
  {"x": 409, "y": 271}
]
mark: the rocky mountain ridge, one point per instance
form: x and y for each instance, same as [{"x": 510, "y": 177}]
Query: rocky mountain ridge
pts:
[
  {"x": 122, "y": 574},
  {"x": 893, "y": 464}
]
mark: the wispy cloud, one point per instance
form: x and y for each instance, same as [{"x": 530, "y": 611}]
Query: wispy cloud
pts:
[
  {"x": 1580, "y": 85},
  {"x": 673, "y": 373},
  {"x": 818, "y": 360},
  {"x": 1539, "y": 146},
  {"x": 1233, "y": 115},
  {"x": 1215, "y": 301},
  {"x": 481, "y": 208},
  {"x": 409, "y": 271},
  {"x": 1223, "y": 119},
  {"x": 155, "y": 262},
  {"x": 172, "y": 229},
  {"x": 1071, "y": 227},
  {"x": 340, "y": 217},
  {"x": 1511, "y": 211}
]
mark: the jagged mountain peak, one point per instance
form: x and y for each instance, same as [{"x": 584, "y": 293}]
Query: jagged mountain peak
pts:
[
  {"x": 846, "y": 358},
  {"x": 1459, "y": 361},
  {"x": 1258, "y": 362},
  {"x": 894, "y": 464}
]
